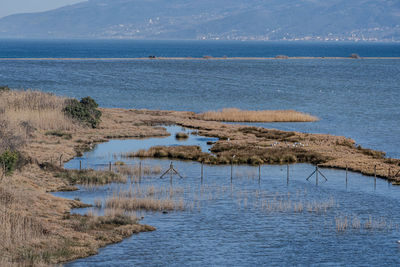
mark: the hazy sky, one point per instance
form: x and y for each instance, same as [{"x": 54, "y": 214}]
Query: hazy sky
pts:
[{"x": 8, "y": 7}]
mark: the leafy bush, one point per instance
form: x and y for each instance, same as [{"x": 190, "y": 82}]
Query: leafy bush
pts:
[
  {"x": 4, "y": 88},
  {"x": 8, "y": 161},
  {"x": 84, "y": 111}
]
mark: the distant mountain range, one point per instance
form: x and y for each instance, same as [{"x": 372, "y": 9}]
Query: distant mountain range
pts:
[{"x": 324, "y": 20}]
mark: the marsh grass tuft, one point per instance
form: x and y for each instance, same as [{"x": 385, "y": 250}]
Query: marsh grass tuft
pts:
[
  {"x": 59, "y": 133},
  {"x": 91, "y": 177},
  {"x": 348, "y": 222},
  {"x": 147, "y": 198},
  {"x": 181, "y": 136}
]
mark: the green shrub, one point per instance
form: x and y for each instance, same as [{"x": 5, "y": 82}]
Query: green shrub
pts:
[
  {"x": 8, "y": 161},
  {"x": 4, "y": 88},
  {"x": 84, "y": 111}
]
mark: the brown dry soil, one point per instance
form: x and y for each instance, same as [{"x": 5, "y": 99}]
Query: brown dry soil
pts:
[{"x": 250, "y": 145}]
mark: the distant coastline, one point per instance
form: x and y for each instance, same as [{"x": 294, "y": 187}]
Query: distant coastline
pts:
[{"x": 183, "y": 58}]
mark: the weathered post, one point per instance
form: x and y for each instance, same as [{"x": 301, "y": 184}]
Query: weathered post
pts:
[
  {"x": 347, "y": 170},
  {"x": 109, "y": 166},
  {"x": 170, "y": 176},
  {"x": 231, "y": 170},
  {"x": 140, "y": 171},
  {"x": 80, "y": 165},
  {"x": 202, "y": 167},
  {"x": 375, "y": 177},
  {"x": 287, "y": 177},
  {"x": 259, "y": 173}
]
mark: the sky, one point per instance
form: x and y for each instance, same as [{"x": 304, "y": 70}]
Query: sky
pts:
[{"x": 9, "y": 7}]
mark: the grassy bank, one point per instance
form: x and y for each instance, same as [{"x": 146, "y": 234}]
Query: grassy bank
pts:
[{"x": 36, "y": 135}]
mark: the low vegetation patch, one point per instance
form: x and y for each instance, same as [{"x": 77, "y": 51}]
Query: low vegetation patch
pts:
[
  {"x": 237, "y": 115},
  {"x": 373, "y": 153},
  {"x": 147, "y": 198},
  {"x": 93, "y": 177},
  {"x": 84, "y": 111},
  {"x": 181, "y": 135},
  {"x": 173, "y": 152},
  {"x": 61, "y": 134},
  {"x": 226, "y": 153}
]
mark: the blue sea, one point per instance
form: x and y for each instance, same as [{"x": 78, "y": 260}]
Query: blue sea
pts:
[{"x": 354, "y": 98}]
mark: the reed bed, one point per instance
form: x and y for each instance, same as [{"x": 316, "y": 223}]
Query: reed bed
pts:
[
  {"x": 147, "y": 203},
  {"x": 238, "y": 115},
  {"x": 18, "y": 230},
  {"x": 269, "y": 203},
  {"x": 90, "y": 178},
  {"x": 147, "y": 198},
  {"x": 35, "y": 110},
  {"x": 348, "y": 222},
  {"x": 136, "y": 170}
]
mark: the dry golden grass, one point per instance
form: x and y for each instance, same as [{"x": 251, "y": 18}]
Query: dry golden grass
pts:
[
  {"x": 237, "y": 115},
  {"x": 19, "y": 229},
  {"x": 34, "y": 108},
  {"x": 146, "y": 198}
]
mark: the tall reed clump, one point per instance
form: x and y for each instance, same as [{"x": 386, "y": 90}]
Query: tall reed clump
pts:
[
  {"x": 19, "y": 231},
  {"x": 28, "y": 110},
  {"x": 238, "y": 115}
]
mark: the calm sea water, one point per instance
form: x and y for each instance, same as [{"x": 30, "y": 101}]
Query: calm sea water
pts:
[{"x": 355, "y": 98}]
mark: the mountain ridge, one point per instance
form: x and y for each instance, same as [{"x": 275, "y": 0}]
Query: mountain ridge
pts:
[{"x": 338, "y": 20}]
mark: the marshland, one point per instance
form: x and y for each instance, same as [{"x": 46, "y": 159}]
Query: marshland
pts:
[{"x": 244, "y": 207}]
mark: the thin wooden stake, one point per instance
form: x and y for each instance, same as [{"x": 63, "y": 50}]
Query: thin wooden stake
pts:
[
  {"x": 80, "y": 165},
  {"x": 259, "y": 173},
  {"x": 231, "y": 170},
  {"x": 375, "y": 177},
  {"x": 140, "y": 171},
  {"x": 287, "y": 177},
  {"x": 202, "y": 167},
  {"x": 109, "y": 166},
  {"x": 347, "y": 170}
]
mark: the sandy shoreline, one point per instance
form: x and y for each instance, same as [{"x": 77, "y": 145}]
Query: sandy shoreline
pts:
[{"x": 191, "y": 58}]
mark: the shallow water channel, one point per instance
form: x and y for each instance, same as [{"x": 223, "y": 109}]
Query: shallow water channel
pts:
[{"x": 248, "y": 220}]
